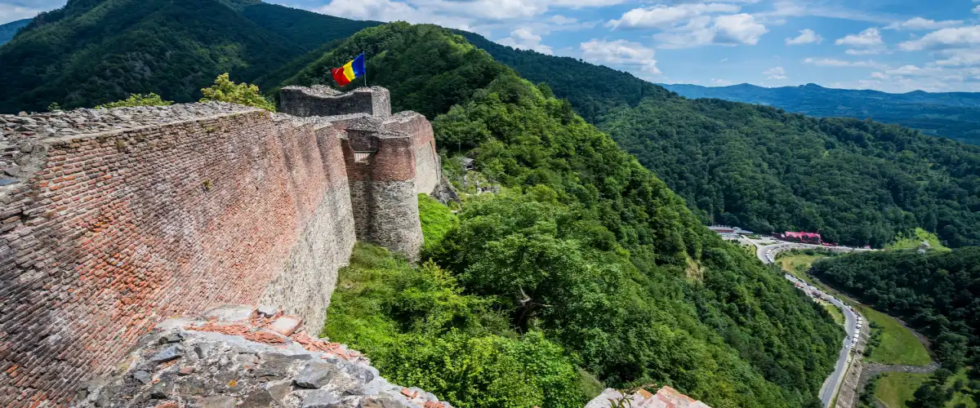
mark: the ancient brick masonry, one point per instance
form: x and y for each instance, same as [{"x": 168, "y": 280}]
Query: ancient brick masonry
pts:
[{"x": 112, "y": 221}]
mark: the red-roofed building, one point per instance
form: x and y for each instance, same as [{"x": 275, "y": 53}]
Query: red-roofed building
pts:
[{"x": 805, "y": 237}]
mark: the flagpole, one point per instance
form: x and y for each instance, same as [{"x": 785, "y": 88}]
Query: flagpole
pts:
[{"x": 365, "y": 69}]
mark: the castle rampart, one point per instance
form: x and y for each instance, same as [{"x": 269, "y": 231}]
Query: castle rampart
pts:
[{"x": 112, "y": 221}]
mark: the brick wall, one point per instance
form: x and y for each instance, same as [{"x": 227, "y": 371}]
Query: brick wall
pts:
[{"x": 120, "y": 230}]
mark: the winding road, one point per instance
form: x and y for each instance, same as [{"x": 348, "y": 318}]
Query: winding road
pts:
[{"x": 767, "y": 254}]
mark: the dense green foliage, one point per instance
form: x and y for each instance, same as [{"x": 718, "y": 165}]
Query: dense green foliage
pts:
[
  {"x": 856, "y": 182},
  {"x": 937, "y": 293},
  {"x": 224, "y": 90},
  {"x": 588, "y": 248},
  {"x": 955, "y": 115},
  {"x": 419, "y": 330},
  {"x": 93, "y": 52},
  {"x": 150, "y": 99},
  {"x": 9, "y": 30}
]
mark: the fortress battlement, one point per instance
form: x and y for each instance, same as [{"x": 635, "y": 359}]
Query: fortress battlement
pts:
[{"x": 114, "y": 220}]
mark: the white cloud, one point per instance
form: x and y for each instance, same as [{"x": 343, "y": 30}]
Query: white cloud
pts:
[
  {"x": 833, "y": 62},
  {"x": 867, "y": 38},
  {"x": 976, "y": 9},
  {"x": 524, "y": 39},
  {"x": 663, "y": 17},
  {"x": 807, "y": 36},
  {"x": 919, "y": 23},
  {"x": 867, "y": 42},
  {"x": 461, "y": 14},
  {"x": 720, "y": 82},
  {"x": 620, "y": 52},
  {"x": 945, "y": 38},
  {"x": 704, "y": 30},
  {"x": 739, "y": 28},
  {"x": 12, "y": 12},
  {"x": 959, "y": 57},
  {"x": 775, "y": 73}
]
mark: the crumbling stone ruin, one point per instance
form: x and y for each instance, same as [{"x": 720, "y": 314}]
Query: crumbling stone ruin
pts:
[
  {"x": 241, "y": 356},
  {"x": 115, "y": 220}
]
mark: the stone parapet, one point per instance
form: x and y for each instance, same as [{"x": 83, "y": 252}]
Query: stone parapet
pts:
[{"x": 323, "y": 101}]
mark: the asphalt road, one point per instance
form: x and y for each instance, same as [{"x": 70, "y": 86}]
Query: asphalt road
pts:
[{"x": 767, "y": 255}]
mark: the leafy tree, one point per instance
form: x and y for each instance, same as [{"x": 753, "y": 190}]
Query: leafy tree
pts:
[
  {"x": 150, "y": 99},
  {"x": 224, "y": 90}
]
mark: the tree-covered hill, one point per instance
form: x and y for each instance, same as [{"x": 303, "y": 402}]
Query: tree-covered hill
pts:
[
  {"x": 857, "y": 182},
  {"x": 955, "y": 115},
  {"x": 9, "y": 30},
  {"x": 584, "y": 246},
  {"x": 97, "y": 51},
  {"x": 937, "y": 293}
]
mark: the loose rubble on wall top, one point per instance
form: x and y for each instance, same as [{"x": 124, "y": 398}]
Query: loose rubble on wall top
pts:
[
  {"x": 22, "y": 127},
  {"x": 240, "y": 356},
  {"x": 666, "y": 397}
]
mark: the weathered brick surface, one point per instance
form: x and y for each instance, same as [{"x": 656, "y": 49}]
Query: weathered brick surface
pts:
[
  {"x": 120, "y": 230},
  {"x": 112, "y": 221}
]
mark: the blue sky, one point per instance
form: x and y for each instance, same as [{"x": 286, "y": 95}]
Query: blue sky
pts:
[{"x": 889, "y": 45}]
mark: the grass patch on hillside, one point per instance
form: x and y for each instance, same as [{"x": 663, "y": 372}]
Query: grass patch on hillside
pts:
[
  {"x": 896, "y": 390},
  {"x": 961, "y": 396},
  {"x": 437, "y": 220},
  {"x": 797, "y": 263},
  {"x": 914, "y": 241},
  {"x": 898, "y": 344},
  {"x": 834, "y": 312}
]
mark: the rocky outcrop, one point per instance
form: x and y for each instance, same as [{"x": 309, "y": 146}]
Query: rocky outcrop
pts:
[
  {"x": 666, "y": 397},
  {"x": 239, "y": 356}
]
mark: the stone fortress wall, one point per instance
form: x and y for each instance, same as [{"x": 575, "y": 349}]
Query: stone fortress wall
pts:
[{"x": 112, "y": 221}]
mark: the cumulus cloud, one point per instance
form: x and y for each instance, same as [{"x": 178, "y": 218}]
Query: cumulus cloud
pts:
[
  {"x": 807, "y": 36},
  {"x": 919, "y": 23},
  {"x": 704, "y": 30},
  {"x": 945, "y": 38},
  {"x": 959, "y": 57},
  {"x": 867, "y": 38},
  {"x": 775, "y": 73},
  {"x": 867, "y": 42},
  {"x": 720, "y": 82},
  {"x": 663, "y": 17},
  {"x": 524, "y": 39},
  {"x": 622, "y": 53}
]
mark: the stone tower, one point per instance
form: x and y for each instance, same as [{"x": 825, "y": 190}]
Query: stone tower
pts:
[{"x": 390, "y": 159}]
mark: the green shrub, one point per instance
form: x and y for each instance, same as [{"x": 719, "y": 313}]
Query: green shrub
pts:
[
  {"x": 150, "y": 99},
  {"x": 224, "y": 90},
  {"x": 419, "y": 330}
]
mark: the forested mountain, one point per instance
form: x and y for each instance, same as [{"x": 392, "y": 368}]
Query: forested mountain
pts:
[
  {"x": 7, "y": 31},
  {"x": 857, "y": 182},
  {"x": 937, "y": 293},
  {"x": 612, "y": 267},
  {"x": 954, "y": 115},
  {"x": 96, "y": 51}
]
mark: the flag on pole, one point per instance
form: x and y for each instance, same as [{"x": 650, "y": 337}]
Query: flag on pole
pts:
[{"x": 351, "y": 70}]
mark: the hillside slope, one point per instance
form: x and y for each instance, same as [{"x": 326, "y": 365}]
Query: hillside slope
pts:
[
  {"x": 96, "y": 51},
  {"x": 9, "y": 30},
  {"x": 857, "y": 182},
  {"x": 618, "y": 272},
  {"x": 955, "y": 115}
]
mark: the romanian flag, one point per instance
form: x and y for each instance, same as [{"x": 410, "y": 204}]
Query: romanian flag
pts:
[{"x": 350, "y": 70}]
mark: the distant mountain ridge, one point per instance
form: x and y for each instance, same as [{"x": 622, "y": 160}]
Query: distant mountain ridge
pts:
[
  {"x": 955, "y": 115},
  {"x": 9, "y": 30}
]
